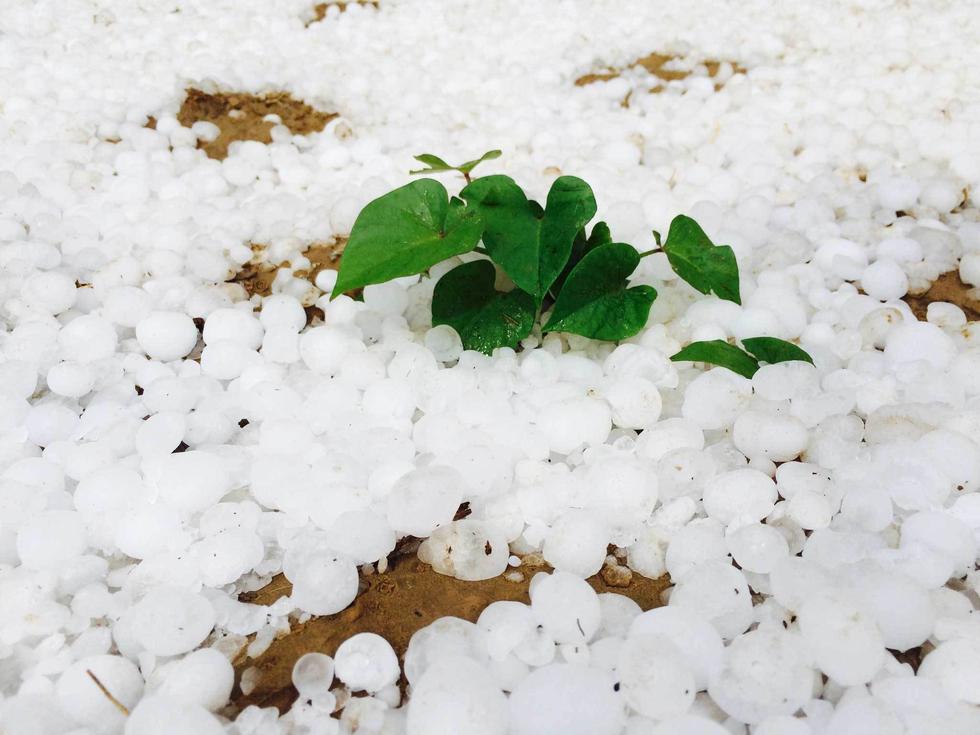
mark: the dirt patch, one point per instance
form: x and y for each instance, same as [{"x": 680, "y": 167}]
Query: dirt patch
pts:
[
  {"x": 948, "y": 287},
  {"x": 239, "y": 116},
  {"x": 257, "y": 275},
  {"x": 409, "y": 596},
  {"x": 662, "y": 66},
  {"x": 320, "y": 9}
]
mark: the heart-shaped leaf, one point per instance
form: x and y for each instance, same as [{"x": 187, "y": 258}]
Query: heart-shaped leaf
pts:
[
  {"x": 718, "y": 352},
  {"x": 580, "y": 246},
  {"x": 531, "y": 248},
  {"x": 405, "y": 232},
  {"x": 772, "y": 350},
  {"x": 466, "y": 300},
  {"x": 595, "y": 301},
  {"x": 708, "y": 267}
]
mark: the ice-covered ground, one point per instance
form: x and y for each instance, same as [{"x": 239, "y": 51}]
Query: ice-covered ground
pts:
[{"x": 843, "y": 167}]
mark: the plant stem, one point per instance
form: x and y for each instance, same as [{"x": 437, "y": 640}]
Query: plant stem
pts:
[
  {"x": 466, "y": 175},
  {"x": 481, "y": 250},
  {"x": 645, "y": 253}
]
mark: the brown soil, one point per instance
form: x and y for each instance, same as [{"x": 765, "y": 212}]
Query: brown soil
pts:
[
  {"x": 948, "y": 287},
  {"x": 656, "y": 64},
  {"x": 240, "y": 116},
  {"x": 320, "y": 9},
  {"x": 257, "y": 275},
  {"x": 409, "y": 596}
]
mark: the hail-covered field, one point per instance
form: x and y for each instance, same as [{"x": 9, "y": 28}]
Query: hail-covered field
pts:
[{"x": 201, "y": 452}]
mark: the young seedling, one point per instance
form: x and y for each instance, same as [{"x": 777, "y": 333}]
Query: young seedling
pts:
[
  {"x": 744, "y": 362},
  {"x": 437, "y": 165}
]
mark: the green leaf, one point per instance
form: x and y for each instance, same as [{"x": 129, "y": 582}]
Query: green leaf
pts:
[
  {"x": 531, "y": 249},
  {"x": 772, "y": 350},
  {"x": 470, "y": 165},
  {"x": 580, "y": 246},
  {"x": 718, "y": 352},
  {"x": 434, "y": 162},
  {"x": 708, "y": 267},
  {"x": 405, "y": 232},
  {"x": 485, "y": 318},
  {"x": 595, "y": 301}
]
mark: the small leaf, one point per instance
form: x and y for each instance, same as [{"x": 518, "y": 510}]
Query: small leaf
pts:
[
  {"x": 532, "y": 249},
  {"x": 580, "y": 246},
  {"x": 708, "y": 267},
  {"x": 465, "y": 299},
  {"x": 595, "y": 301},
  {"x": 405, "y": 232},
  {"x": 718, "y": 352},
  {"x": 772, "y": 350},
  {"x": 434, "y": 162},
  {"x": 470, "y": 165}
]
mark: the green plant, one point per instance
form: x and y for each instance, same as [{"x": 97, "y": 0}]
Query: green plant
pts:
[{"x": 582, "y": 279}]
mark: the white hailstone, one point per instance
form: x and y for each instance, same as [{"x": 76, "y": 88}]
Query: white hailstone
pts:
[
  {"x": 919, "y": 341},
  {"x": 445, "y": 637},
  {"x": 955, "y": 664},
  {"x": 188, "y": 481},
  {"x": 51, "y": 539},
  {"x": 956, "y": 454},
  {"x": 506, "y": 625},
  {"x": 161, "y": 715},
  {"x": 843, "y": 639},
  {"x": 280, "y": 345},
  {"x": 324, "y": 582},
  {"x": 466, "y": 549},
  {"x": 282, "y": 312},
  {"x": 78, "y": 694},
  {"x": 166, "y": 335},
  {"x": 161, "y": 434},
  {"x": 941, "y": 194},
  {"x": 618, "y": 613},
  {"x": 70, "y": 379},
  {"x": 900, "y": 249},
  {"x": 313, "y": 675},
  {"x": 902, "y": 609},
  {"x": 87, "y": 338},
  {"x": 715, "y": 398},
  {"x": 577, "y": 543},
  {"x": 226, "y": 359},
  {"x": 945, "y": 315},
  {"x": 456, "y": 696},
  {"x": 757, "y": 547},
  {"x": 390, "y": 398},
  {"x": 424, "y": 499},
  {"x": 668, "y": 436},
  {"x": 655, "y": 676},
  {"x": 702, "y": 647},
  {"x": 777, "y": 437},
  {"x": 363, "y": 535},
  {"x": 366, "y": 662},
  {"x": 575, "y": 422},
  {"x": 785, "y": 380},
  {"x": 809, "y": 510},
  {"x": 782, "y": 725},
  {"x": 970, "y": 269},
  {"x": 699, "y": 541},
  {"x": 683, "y": 725},
  {"x": 565, "y": 606},
  {"x": 147, "y": 529},
  {"x": 487, "y": 470},
  {"x": 884, "y": 280},
  {"x": 171, "y": 620},
  {"x": 285, "y": 436},
  {"x": 911, "y": 479},
  {"x": 745, "y": 494},
  {"x": 127, "y": 306},
  {"x": 204, "y": 677},
  {"x": 843, "y": 258},
  {"x": 794, "y": 477},
  {"x": 50, "y": 291},
  {"x": 635, "y": 402},
  {"x": 444, "y": 342},
  {"x": 323, "y": 349},
  {"x": 898, "y": 193},
  {"x": 717, "y": 592},
  {"x": 228, "y": 555},
  {"x": 386, "y": 298},
  {"x": 944, "y": 534},
  {"x": 566, "y": 699},
  {"x": 235, "y": 325},
  {"x": 326, "y": 280}
]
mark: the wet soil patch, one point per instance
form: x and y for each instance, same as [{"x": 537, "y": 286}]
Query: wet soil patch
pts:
[
  {"x": 257, "y": 275},
  {"x": 320, "y": 9},
  {"x": 948, "y": 287},
  {"x": 664, "y": 67}
]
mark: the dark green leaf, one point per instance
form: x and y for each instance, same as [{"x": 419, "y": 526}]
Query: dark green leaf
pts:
[
  {"x": 719, "y": 352},
  {"x": 531, "y": 249},
  {"x": 485, "y": 318},
  {"x": 708, "y": 267},
  {"x": 595, "y": 301},
  {"x": 470, "y": 165},
  {"x": 405, "y": 232},
  {"x": 580, "y": 246},
  {"x": 772, "y": 350}
]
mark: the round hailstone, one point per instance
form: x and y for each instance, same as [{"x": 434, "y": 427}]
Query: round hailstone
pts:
[
  {"x": 161, "y": 434},
  {"x": 618, "y": 613},
  {"x": 363, "y": 535},
  {"x": 324, "y": 583},
  {"x": 70, "y": 379},
  {"x": 902, "y": 609},
  {"x": 444, "y": 637},
  {"x": 366, "y": 662},
  {"x": 844, "y": 641},
  {"x": 78, "y": 694},
  {"x": 204, "y": 678},
  {"x": 945, "y": 534},
  {"x": 776, "y": 437},
  {"x": 127, "y": 306},
  {"x": 717, "y": 592},
  {"x": 920, "y": 341},
  {"x": 782, "y": 725},
  {"x": 226, "y": 556},
  {"x": 566, "y": 699},
  {"x": 746, "y": 494},
  {"x": 655, "y": 678},
  {"x": 506, "y": 624},
  {"x": 444, "y": 342},
  {"x": 456, "y": 696},
  {"x": 955, "y": 664},
  {"x": 161, "y": 715},
  {"x": 667, "y": 436},
  {"x": 565, "y": 606},
  {"x": 51, "y": 539},
  {"x": 466, "y": 549},
  {"x": 714, "y": 399},
  {"x": 189, "y": 481},
  {"x": 757, "y": 547},
  {"x": 87, "y": 338},
  {"x": 766, "y": 672},
  {"x": 687, "y": 725},
  {"x": 226, "y": 359},
  {"x": 699, "y": 541},
  {"x": 577, "y": 543},
  {"x": 147, "y": 529},
  {"x": 313, "y": 675},
  {"x": 702, "y": 649},
  {"x": 884, "y": 280},
  {"x": 957, "y": 454},
  {"x": 323, "y": 349},
  {"x": 635, "y": 402},
  {"x": 234, "y": 325},
  {"x": 283, "y": 312},
  {"x": 575, "y": 422},
  {"x": 166, "y": 335},
  {"x": 170, "y": 620},
  {"x": 51, "y": 291},
  {"x": 424, "y": 499}
]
